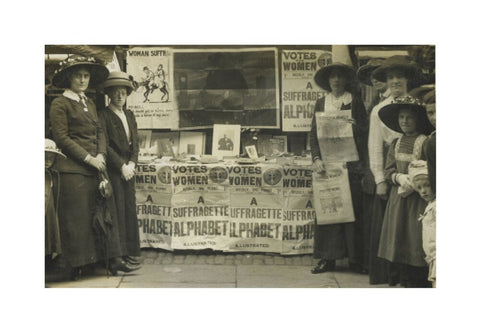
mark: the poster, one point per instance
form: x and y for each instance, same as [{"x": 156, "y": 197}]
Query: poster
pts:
[
  {"x": 298, "y": 225},
  {"x": 152, "y": 178},
  {"x": 164, "y": 143},
  {"x": 201, "y": 220},
  {"x": 256, "y": 222},
  {"x": 155, "y": 221},
  {"x": 335, "y": 136},
  {"x": 227, "y": 86},
  {"x": 226, "y": 140},
  {"x": 153, "y": 98},
  {"x": 256, "y": 178},
  {"x": 297, "y": 180},
  {"x": 332, "y": 197},
  {"x": 299, "y": 90},
  {"x": 199, "y": 177}
]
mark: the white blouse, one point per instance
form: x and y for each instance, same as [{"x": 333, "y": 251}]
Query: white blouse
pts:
[{"x": 378, "y": 134}]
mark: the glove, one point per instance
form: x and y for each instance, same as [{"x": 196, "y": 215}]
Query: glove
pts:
[
  {"x": 127, "y": 172},
  {"x": 318, "y": 166},
  {"x": 403, "y": 180},
  {"x": 406, "y": 187}
]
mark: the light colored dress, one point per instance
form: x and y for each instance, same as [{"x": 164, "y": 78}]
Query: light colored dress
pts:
[{"x": 429, "y": 235}]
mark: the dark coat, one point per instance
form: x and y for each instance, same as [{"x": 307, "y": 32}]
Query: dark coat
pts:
[
  {"x": 78, "y": 133},
  {"x": 344, "y": 240},
  {"x": 120, "y": 152}
]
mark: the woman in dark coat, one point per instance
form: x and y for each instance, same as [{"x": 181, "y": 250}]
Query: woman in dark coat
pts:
[
  {"x": 78, "y": 133},
  {"x": 337, "y": 241},
  {"x": 120, "y": 129}
]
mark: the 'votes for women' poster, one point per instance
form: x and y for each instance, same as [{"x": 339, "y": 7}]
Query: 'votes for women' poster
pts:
[
  {"x": 153, "y": 99},
  {"x": 299, "y": 90},
  {"x": 332, "y": 197},
  {"x": 335, "y": 136}
]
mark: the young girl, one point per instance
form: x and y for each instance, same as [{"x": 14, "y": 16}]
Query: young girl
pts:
[
  {"x": 418, "y": 173},
  {"x": 401, "y": 236}
]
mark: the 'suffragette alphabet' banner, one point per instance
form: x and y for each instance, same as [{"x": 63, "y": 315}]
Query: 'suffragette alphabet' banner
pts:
[
  {"x": 201, "y": 220},
  {"x": 153, "y": 100},
  {"x": 155, "y": 220},
  {"x": 299, "y": 90},
  {"x": 298, "y": 210},
  {"x": 256, "y": 222}
]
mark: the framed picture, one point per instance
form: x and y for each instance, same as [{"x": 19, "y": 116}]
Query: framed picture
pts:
[
  {"x": 192, "y": 142},
  {"x": 164, "y": 143},
  {"x": 144, "y": 137},
  {"x": 226, "y": 140}
]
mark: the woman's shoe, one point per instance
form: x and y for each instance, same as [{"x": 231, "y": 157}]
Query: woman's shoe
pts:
[
  {"x": 117, "y": 264},
  {"x": 324, "y": 265},
  {"x": 131, "y": 260}
]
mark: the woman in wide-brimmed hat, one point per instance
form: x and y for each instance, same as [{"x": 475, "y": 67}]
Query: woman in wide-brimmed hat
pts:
[
  {"x": 120, "y": 129},
  {"x": 77, "y": 131},
  {"x": 337, "y": 241},
  {"x": 401, "y": 235},
  {"x": 364, "y": 75},
  {"x": 398, "y": 72}
]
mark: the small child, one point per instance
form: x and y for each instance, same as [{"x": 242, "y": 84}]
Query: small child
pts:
[{"x": 418, "y": 173}]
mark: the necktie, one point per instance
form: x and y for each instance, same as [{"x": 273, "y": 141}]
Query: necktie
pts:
[{"x": 83, "y": 99}]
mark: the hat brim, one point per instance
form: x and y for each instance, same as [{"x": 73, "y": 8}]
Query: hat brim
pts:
[
  {"x": 322, "y": 76},
  {"x": 389, "y": 116},
  {"x": 412, "y": 72},
  {"x": 365, "y": 72},
  {"x": 117, "y": 82},
  {"x": 98, "y": 74},
  {"x": 55, "y": 151}
]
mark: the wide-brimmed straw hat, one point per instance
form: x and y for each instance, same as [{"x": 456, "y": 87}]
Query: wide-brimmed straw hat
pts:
[
  {"x": 50, "y": 146},
  {"x": 98, "y": 72},
  {"x": 398, "y": 62},
  {"x": 389, "y": 114},
  {"x": 424, "y": 93},
  {"x": 118, "y": 78},
  {"x": 322, "y": 76},
  {"x": 364, "y": 72}
]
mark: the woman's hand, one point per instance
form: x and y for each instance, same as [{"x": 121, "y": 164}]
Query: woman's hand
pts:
[
  {"x": 318, "y": 166},
  {"x": 98, "y": 162},
  {"x": 127, "y": 172},
  {"x": 404, "y": 181},
  {"x": 382, "y": 189}
]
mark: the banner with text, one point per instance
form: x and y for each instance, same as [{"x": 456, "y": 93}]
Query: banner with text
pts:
[
  {"x": 155, "y": 221},
  {"x": 210, "y": 178},
  {"x": 201, "y": 220},
  {"x": 299, "y": 90},
  {"x": 256, "y": 222},
  {"x": 153, "y": 99},
  {"x": 298, "y": 225},
  {"x": 260, "y": 178}
]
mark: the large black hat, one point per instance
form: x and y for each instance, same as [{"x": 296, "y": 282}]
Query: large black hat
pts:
[
  {"x": 398, "y": 62},
  {"x": 365, "y": 71},
  {"x": 322, "y": 76},
  {"x": 98, "y": 72},
  {"x": 389, "y": 114}
]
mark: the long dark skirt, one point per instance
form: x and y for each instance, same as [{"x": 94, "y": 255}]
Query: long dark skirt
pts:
[
  {"x": 81, "y": 244},
  {"x": 378, "y": 268},
  {"x": 75, "y": 213},
  {"x": 338, "y": 241},
  {"x": 126, "y": 213}
]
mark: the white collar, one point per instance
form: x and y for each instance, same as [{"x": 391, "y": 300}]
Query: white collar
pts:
[
  {"x": 386, "y": 94},
  {"x": 74, "y": 96}
]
